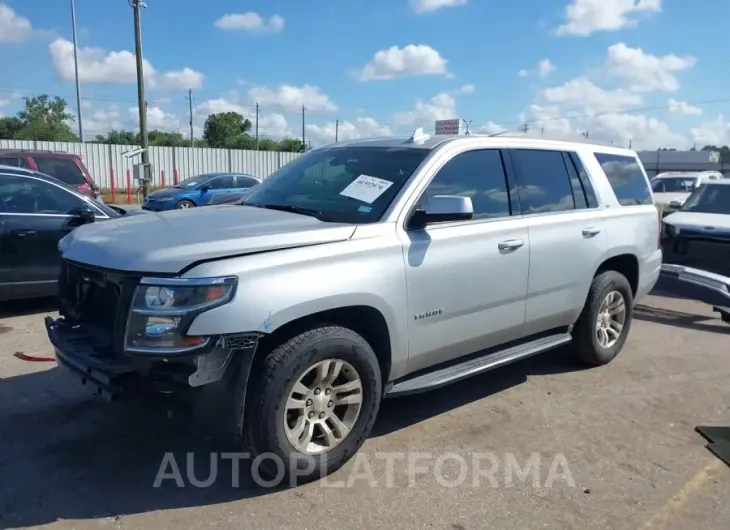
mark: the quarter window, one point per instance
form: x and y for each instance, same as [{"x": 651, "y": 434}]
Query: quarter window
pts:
[
  {"x": 626, "y": 178},
  {"x": 543, "y": 181},
  {"x": 21, "y": 195},
  {"x": 478, "y": 175}
]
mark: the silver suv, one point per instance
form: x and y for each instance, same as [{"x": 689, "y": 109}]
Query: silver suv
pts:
[{"x": 361, "y": 270}]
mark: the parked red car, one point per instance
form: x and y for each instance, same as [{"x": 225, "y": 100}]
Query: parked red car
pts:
[{"x": 66, "y": 167}]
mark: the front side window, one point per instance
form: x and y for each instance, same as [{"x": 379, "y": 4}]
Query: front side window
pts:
[
  {"x": 478, "y": 175},
  {"x": 627, "y": 179},
  {"x": 543, "y": 181},
  {"x": 339, "y": 184},
  {"x": 22, "y": 195},
  {"x": 64, "y": 169},
  {"x": 191, "y": 182}
]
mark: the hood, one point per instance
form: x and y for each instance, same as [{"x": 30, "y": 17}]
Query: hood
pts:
[
  {"x": 666, "y": 198},
  {"x": 699, "y": 223},
  {"x": 167, "y": 242}
]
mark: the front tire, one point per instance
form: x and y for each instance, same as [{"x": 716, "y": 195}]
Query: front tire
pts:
[
  {"x": 605, "y": 322},
  {"x": 185, "y": 204},
  {"x": 312, "y": 404}
]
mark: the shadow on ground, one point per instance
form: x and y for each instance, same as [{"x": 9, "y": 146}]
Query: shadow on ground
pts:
[
  {"x": 32, "y": 306},
  {"x": 67, "y": 456},
  {"x": 680, "y": 319}
]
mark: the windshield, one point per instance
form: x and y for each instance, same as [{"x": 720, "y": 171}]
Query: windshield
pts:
[
  {"x": 192, "y": 181},
  {"x": 339, "y": 184},
  {"x": 710, "y": 198},
  {"x": 674, "y": 185}
]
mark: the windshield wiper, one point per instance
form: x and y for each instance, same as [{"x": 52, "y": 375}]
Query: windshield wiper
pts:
[{"x": 302, "y": 210}]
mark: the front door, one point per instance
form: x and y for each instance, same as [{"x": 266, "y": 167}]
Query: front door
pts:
[
  {"x": 37, "y": 215},
  {"x": 467, "y": 281}
]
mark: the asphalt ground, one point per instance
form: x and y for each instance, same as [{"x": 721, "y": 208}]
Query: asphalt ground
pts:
[{"x": 610, "y": 447}]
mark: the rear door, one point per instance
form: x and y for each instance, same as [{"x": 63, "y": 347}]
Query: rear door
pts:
[
  {"x": 36, "y": 216},
  {"x": 567, "y": 235},
  {"x": 6, "y": 286}
]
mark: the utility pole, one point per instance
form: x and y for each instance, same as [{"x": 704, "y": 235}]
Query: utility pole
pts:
[
  {"x": 76, "y": 70},
  {"x": 337, "y": 130},
  {"x": 190, "y": 106},
  {"x": 467, "y": 123},
  {"x": 257, "y": 125},
  {"x": 136, "y": 6},
  {"x": 525, "y": 128},
  {"x": 304, "y": 139}
]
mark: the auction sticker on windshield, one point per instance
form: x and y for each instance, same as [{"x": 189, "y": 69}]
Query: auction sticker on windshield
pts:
[{"x": 366, "y": 188}]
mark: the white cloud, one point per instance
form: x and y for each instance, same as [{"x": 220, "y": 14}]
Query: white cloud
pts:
[
  {"x": 466, "y": 89},
  {"x": 645, "y": 72},
  {"x": 429, "y": 6},
  {"x": 291, "y": 98},
  {"x": 252, "y": 22},
  {"x": 425, "y": 113},
  {"x": 682, "y": 107},
  {"x": 361, "y": 127},
  {"x": 156, "y": 119},
  {"x": 116, "y": 67},
  {"x": 585, "y": 17},
  {"x": 544, "y": 68},
  {"x": 411, "y": 60},
  {"x": 13, "y": 27},
  {"x": 583, "y": 93},
  {"x": 715, "y": 132},
  {"x": 490, "y": 128}
]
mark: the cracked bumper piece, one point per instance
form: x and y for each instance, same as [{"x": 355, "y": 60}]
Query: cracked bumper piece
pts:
[{"x": 85, "y": 354}]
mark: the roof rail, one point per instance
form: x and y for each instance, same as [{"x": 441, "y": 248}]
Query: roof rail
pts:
[
  {"x": 578, "y": 139},
  {"x": 24, "y": 150}
]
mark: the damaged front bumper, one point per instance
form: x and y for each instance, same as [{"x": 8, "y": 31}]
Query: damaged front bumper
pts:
[{"x": 87, "y": 354}]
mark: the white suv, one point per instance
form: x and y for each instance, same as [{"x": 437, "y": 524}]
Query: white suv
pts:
[
  {"x": 671, "y": 189},
  {"x": 362, "y": 270}
]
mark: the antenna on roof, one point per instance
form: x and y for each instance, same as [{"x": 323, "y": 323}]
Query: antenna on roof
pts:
[{"x": 418, "y": 136}]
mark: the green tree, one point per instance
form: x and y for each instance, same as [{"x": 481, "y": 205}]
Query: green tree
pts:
[
  {"x": 226, "y": 129},
  {"x": 266, "y": 144},
  {"x": 291, "y": 145},
  {"x": 9, "y": 127},
  {"x": 45, "y": 119},
  {"x": 118, "y": 137}
]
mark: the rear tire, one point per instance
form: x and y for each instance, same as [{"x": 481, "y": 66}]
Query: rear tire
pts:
[
  {"x": 605, "y": 322},
  {"x": 287, "y": 395}
]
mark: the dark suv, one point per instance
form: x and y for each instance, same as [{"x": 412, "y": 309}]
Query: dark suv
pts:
[{"x": 66, "y": 167}]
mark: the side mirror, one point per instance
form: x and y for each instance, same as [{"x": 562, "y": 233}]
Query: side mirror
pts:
[
  {"x": 205, "y": 187},
  {"x": 443, "y": 208},
  {"x": 86, "y": 213},
  {"x": 675, "y": 203}
]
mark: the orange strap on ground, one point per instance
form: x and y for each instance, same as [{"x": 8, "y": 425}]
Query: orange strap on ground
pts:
[{"x": 32, "y": 358}]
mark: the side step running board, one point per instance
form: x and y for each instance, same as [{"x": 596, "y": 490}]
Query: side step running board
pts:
[{"x": 454, "y": 373}]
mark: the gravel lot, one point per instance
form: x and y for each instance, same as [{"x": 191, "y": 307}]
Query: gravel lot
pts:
[{"x": 626, "y": 432}]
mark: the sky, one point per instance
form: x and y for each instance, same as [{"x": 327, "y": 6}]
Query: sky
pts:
[{"x": 645, "y": 73}]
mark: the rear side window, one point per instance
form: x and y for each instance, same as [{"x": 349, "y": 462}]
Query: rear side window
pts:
[
  {"x": 626, "y": 178},
  {"x": 543, "y": 181},
  {"x": 245, "y": 182},
  {"x": 13, "y": 161},
  {"x": 585, "y": 180},
  {"x": 64, "y": 169}
]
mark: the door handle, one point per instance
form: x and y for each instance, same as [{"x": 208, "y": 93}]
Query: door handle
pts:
[
  {"x": 511, "y": 244},
  {"x": 590, "y": 232},
  {"x": 23, "y": 233}
]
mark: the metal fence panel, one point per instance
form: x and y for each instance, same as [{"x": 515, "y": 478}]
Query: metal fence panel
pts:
[{"x": 110, "y": 168}]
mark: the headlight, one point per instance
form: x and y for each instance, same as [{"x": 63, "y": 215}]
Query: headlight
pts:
[{"x": 163, "y": 309}]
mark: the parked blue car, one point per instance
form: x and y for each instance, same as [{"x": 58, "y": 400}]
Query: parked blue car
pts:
[{"x": 200, "y": 191}]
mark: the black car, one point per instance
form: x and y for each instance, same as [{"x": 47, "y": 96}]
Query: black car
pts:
[{"x": 36, "y": 211}]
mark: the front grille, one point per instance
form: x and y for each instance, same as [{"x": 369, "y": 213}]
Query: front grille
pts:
[{"x": 96, "y": 298}]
